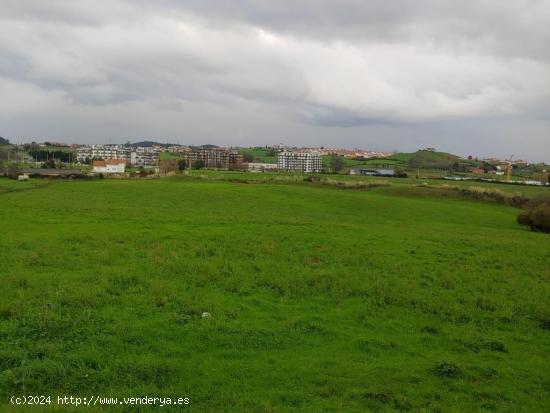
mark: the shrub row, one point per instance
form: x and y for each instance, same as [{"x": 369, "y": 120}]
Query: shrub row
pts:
[
  {"x": 484, "y": 194},
  {"x": 348, "y": 184}
]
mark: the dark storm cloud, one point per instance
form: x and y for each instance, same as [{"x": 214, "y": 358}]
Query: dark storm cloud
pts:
[
  {"x": 331, "y": 71},
  {"x": 514, "y": 28}
]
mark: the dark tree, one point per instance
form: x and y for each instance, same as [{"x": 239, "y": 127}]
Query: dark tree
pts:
[
  {"x": 182, "y": 164},
  {"x": 50, "y": 163},
  {"x": 41, "y": 155},
  {"x": 248, "y": 157},
  {"x": 13, "y": 171},
  {"x": 167, "y": 166},
  {"x": 337, "y": 163},
  {"x": 199, "y": 164}
]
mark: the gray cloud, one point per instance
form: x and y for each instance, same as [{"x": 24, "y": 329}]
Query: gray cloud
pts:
[{"x": 350, "y": 72}]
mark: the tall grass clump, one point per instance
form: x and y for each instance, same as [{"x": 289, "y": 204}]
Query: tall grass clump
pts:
[
  {"x": 494, "y": 194},
  {"x": 482, "y": 194},
  {"x": 357, "y": 185}
]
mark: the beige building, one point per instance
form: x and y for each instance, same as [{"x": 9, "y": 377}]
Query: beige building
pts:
[{"x": 215, "y": 158}]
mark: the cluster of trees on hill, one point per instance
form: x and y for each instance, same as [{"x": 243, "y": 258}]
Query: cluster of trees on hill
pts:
[
  {"x": 4, "y": 141},
  {"x": 466, "y": 166},
  {"x": 44, "y": 155},
  {"x": 205, "y": 146}
]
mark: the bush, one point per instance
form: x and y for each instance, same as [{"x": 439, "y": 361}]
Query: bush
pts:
[
  {"x": 491, "y": 194},
  {"x": 537, "y": 215},
  {"x": 449, "y": 370},
  {"x": 495, "y": 346},
  {"x": 541, "y": 217},
  {"x": 523, "y": 218}
]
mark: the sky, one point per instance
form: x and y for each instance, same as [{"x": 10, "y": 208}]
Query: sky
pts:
[{"x": 468, "y": 77}]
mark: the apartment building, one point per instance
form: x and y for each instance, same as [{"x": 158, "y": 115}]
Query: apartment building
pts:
[
  {"x": 303, "y": 161},
  {"x": 135, "y": 156},
  {"x": 86, "y": 154},
  {"x": 215, "y": 158},
  {"x": 142, "y": 156}
]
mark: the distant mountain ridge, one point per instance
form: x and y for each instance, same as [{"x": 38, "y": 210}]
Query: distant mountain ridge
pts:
[
  {"x": 4, "y": 141},
  {"x": 205, "y": 146},
  {"x": 148, "y": 144}
]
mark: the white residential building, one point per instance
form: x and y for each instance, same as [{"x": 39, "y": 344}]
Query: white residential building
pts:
[
  {"x": 302, "y": 161},
  {"x": 136, "y": 156},
  {"x": 109, "y": 166},
  {"x": 89, "y": 153},
  {"x": 142, "y": 156},
  {"x": 261, "y": 167}
]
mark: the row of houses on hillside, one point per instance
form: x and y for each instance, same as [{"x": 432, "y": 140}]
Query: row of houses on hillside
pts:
[{"x": 114, "y": 160}]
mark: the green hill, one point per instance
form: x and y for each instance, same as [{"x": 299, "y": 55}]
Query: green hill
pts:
[
  {"x": 4, "y": 141},
  {"x": 259, "y": 155},
  {"x": 425, "y": 159}
]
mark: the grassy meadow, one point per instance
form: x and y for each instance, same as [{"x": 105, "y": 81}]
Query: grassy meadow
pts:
[
  {"x": 259, "y": 155},
  {"x": 321, "y": 299}
]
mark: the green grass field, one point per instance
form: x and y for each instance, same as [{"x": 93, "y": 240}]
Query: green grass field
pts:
[
  {"x": 401, "y": 186},
  {"x": 164, "y": 156},
  {"x": 321, "y": 299},
  {"x": 259, "y": 155}
]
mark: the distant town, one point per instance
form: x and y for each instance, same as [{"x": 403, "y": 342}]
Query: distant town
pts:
[{"x": 152, "y": 158}]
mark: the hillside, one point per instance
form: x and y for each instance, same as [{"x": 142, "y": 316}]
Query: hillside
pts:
[
  {"x": 425, "y": 159},
  {"x": 318, "y": 299},
  {"x": 4, "y": 141},
  {"x": 261, "y": 155}
]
